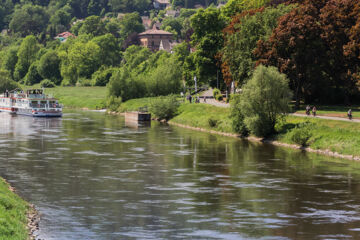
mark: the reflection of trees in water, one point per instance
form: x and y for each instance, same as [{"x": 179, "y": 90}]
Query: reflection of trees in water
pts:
[{"x": 119, "y": 174}]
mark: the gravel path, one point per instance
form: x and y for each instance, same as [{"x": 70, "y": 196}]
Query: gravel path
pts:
[{"x": 326, "y": 117}]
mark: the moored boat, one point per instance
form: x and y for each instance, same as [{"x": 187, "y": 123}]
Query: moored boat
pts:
[{"x": 33, "y": 102}]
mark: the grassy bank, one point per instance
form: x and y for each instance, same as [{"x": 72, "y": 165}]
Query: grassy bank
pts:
[
  {"x": 337, "y": 136},
  {"x": 13, "y": 214},
  {"x": 80, "y": 97}
]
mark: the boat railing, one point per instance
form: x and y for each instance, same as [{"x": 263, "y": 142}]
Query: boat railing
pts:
[{"x": 55, "y": 105}]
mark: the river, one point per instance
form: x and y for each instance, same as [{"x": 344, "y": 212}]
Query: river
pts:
[{"x": 93, "y": 176}]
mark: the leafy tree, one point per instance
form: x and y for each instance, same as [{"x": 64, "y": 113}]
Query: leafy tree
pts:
[
  {"x": 207, "y": 39},
  {"x": 32, "y": 77},
  {"x": 241, "y": 37},
  {"x": 173, "y": 23},
  {"x": 49, "y": 66},
  {"x": 6, "y": 83},
  {"x": 109, "y": 49},
  {"x": 131, "y": 23},
  {"x": 29, "y": 19},
  {"x": 26, "y": 55},
  {"x": 10, "y": 59},
  {"x": 234, "y": 7},
  {"x": 165, "y": 107},
  {"x": 238, "y": 117},
  {"x": 135, "y": 55},
  {"x": 264, "y": 99},
  {"x": 296, "y": 48},
  {"x": 129, "y": 5},
  {"x": 92, "y": 25}
]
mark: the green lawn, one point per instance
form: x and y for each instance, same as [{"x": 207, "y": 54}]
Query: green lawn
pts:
[
  {"x": 198, "y": 115},
  {"x": 80, "y": 97},
  {"x": 13, "y": 212}
]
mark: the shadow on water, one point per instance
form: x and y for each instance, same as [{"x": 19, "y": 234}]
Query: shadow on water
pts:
[{"x": 94, "y": 176}]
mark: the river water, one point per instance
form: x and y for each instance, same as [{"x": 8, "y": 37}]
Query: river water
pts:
[{"x": 93, "y": 176}]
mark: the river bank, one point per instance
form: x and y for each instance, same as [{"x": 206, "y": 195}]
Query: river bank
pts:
[
  {"x": 328, "y": 137},
  {"x": 18, "y": 219}
]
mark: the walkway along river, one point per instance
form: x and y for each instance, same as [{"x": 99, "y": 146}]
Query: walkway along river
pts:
[{"x": 93, "y": 177}]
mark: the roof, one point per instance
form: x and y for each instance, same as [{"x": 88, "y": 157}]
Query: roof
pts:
[
  {"x": 65, "y": 35},
  {"x": 155, "y": 32}
]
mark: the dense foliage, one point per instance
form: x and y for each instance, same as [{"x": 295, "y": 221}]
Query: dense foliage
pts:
[{"x": 315, "y": 43}]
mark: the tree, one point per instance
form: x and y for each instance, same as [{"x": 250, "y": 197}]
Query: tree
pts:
[
  {"x": 10, "y": 59},
  {"x": 207, "y": 39},
  {"x": 49, "y": 66},
  {"x": 92, "y": 25},
  {"x": 5, "y": 81},
  {"x": 265, "y": 97},
  {"x": 234, "y": 7},
  {"x": 26, "y": 55},
  {"x": 296, "y": 49},
  {"x": 241, "y": 37},
  {"x": 32, "y": 77},
  {"x": 109, "y": 49},
  {"x": 130, "y": 23},
  {"x": 29, "y": 19}
]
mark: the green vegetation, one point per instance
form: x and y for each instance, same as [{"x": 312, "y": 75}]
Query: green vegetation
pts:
[
  {"x": 80, "y": 97},
  {"x": 164, "y": 107},
  {"x": 264, "y": 100},
  {"x": 13, "y": 211}
]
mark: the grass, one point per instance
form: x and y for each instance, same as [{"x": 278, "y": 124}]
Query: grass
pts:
[
  {"x": 79, "y": 97},
  {"x": 13, "y": 212},
  {"x": 198, "y": 115},
  {"x": 338, "y": 136},
  {"x": 134, "y": 104}
]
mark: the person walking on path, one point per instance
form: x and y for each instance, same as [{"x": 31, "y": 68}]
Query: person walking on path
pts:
[
  {"x": 308, "y": 110},
  {"x": 349, "y": 113},
  {"x": 314, "y": 111}
]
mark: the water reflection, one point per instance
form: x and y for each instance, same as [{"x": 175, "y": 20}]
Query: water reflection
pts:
[{"x": 95, "y": 177}]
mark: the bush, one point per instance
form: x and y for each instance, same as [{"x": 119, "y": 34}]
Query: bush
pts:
[
  {"x": 32, "y": 77},
  {"x": 216, "y": 92},
  {"x": 5, "y": 81},
  {"x": 264, "y": 100},
  {"x": 213, "y": 122},
  {"x": 164, "y": 107},
  {"x": 113, "y": 103},
  {"x": 46, "y": 83},
  {"x": 237, "y": 117},
  {"x": 83, "y": 82},
  {"x": 102, "y": 76},
  {"x": 301, "y": 134},
  {"x": 219, "y": 97}
]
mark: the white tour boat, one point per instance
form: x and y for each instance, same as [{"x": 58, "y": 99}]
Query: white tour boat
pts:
[{"x": 33, "y": 102}]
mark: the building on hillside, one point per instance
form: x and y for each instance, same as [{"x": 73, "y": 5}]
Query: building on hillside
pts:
[
  {"x": 172, "y": 13},
  {"x": 64, "y": 36},
  {"x": 152, "y": 39},
  {"x": 162, "y": 4}
]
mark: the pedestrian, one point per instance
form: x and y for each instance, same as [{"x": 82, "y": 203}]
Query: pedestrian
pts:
[
  {"x": 314, "y": 111},
  {"x": 349, "y": 113},
  {"x": 308, "y": 110},
  {"x": 190, "y": 98},
  {"x": 204, "y": 99}
]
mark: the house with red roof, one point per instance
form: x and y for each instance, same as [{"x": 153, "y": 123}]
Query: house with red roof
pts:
[
  {"x": 64, "y": 36},
  {"x": 154, "y": 37}
]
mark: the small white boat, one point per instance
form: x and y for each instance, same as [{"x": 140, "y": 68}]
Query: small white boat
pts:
[{"x": 33, "y": 102}]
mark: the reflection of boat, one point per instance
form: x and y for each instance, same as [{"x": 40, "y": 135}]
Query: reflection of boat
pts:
[{"x": 32, "y": 103}]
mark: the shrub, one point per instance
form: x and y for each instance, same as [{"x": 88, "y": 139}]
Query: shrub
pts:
[
  {"x": 32, "y": 77},
  {"x": 213, "y": 122},
  {"x": 46, "y": 83},
  {"x": 216, "y": 92},
  {"x": 164, "y": 107},
  {"x": 264, "y": 100},
  {"x": 301, "y": 134},
  {"x": 83, "y": 82},
  {"x": 102, "y": 76},
  {"x": 237, "y": 117},
  {"x": 113, "y": 103},
  {"x": 5, "y": 81},
  {"x": 219, "y": 97}
]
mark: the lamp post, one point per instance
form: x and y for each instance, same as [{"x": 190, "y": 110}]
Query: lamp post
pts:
[{"x": 195, "y": 80}]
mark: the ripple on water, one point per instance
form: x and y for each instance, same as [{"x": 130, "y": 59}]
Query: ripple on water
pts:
[{"x": 93, "y": 153}]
